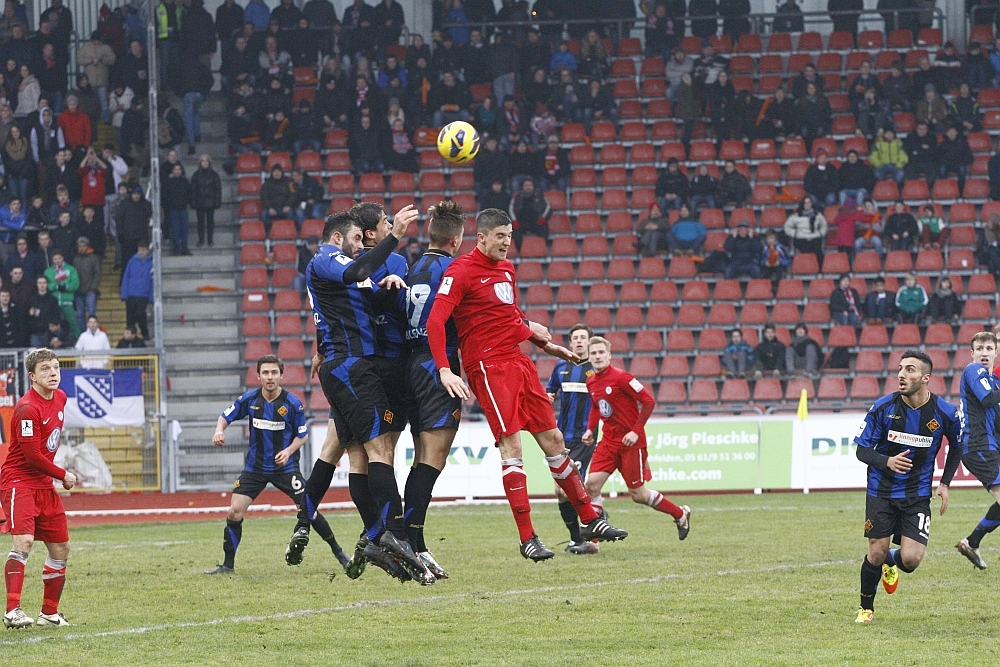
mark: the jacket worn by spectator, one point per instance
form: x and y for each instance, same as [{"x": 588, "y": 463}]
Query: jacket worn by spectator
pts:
[
  {"x": 132, "y": 218},
  {"x": 197, "y": 29},
  {"x": 880, "y": 306},
  {"x": 96, "y": 58},
  {"x": 13, "y": 327},
  {"x": 276, "y": 193},
  {"x": 888, "y": 152},
  {"x": 770, "y": 355},
  {"x": 944, "y": 305},
  {"x": 206, "y": 189},
  {"x": 856, "y": 176},
  {"x": 63, "y": 283},
  {"x": 530, "y": 212},
  {"x": 46, "y": 309},
  {"x": 954, "y": 152},
  {"x": 734, "y": 187},
  {"x": 901, "y": 223},
  {"x": 911, "y": 300},
  {"x": 88, "y": 269},
  {"x": 177, "y": 193},
  {"x": 839, "y": 302},
  {"x": 806, "y": 227},
  {"x": 673, "y": 182},
  {"x": 822, "y": 180},
  {"x": 137, "y": 281},
  {"x": 308, "y": 190},
  {"x": 743, "y": 250}
]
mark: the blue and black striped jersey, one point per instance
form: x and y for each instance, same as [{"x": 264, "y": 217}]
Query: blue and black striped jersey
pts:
[
  {"x": 343, "y": 313},
  {"x": 891, "y": 427},
  {"x": 389, "y": 340},
  {"x": 574, "y": 405},
  {"x": 980, "y": 408},
  {"x": 273, "y": 426},
  {"x": 424, "y": 279}
]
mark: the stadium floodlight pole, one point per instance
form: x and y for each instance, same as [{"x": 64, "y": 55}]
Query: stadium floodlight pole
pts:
[{"x": 169, "y": 482}]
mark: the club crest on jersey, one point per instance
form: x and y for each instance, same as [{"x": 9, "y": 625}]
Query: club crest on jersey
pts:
[
  {"x": 236, "y": 484},
  {"x": 52, "y": 444},
  {"x": 604, "y": 407},
  {"x": 589, "y": 373},
  {"x": 388, "y": 417},
  {"x": 282, "y": 411},
  {"x": 933, "y": 425},
  {"x": 504, "y": 292}
]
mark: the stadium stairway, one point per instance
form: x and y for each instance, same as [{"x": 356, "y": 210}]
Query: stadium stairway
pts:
[{"x": 201, "y": 318}]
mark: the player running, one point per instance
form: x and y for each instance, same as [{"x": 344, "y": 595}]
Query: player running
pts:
[
  {"x": 616, "y": 397},
  {"x": 345, "y": 305},
  {"x": 980, "y": 393},
  {"x": 479, "y": 291},
  {"x": 277, "y": 432},
  {"x": 434, "y": 413},
  {"x": 28, "y": 502},
  {"x": 570, "y": 379},
  {"x": 899, "y": 442}
]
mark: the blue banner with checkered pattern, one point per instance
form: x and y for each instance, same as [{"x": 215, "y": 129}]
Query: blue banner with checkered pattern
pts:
[{"x": 96, "y": 398}]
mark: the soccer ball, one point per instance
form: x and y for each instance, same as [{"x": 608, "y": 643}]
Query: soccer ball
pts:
[{"x": 458, "y": 142}]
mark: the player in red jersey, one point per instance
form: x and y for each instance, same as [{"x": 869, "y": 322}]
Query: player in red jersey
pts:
[
  {"x": 478, "y": 291},
  {"x": 615, "y": 398},
  {"x": 30, "y": 504}
]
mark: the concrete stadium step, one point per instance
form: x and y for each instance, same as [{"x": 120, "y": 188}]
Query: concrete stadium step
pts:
[
  {"x": 196, "y": 333},
  {"x": 195, "y": 409},
  {"x": 189, "y": 285},
  {"x": 199, "y": 385},
  {"x": 200, "y": 310},
  {"x": 213, "y": 259},
  {"x": 220, "y": 356}
]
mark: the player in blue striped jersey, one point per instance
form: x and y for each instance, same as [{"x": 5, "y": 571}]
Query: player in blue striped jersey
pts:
[
  {"x": 277, "y": 431},
  {"x": 434, "y": 413},
  {"x": 346, "y": 304},
  {"x": 569, "y": 383},
  {"x": 980, "y": 393},
  {"x": 899, "y": 441}
]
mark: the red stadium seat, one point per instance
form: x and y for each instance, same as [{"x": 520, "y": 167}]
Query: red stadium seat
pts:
[
  {"x": 674, "y": 366},
  {"x": 252, "y": 230},
  {"x": 704, "y": 391},
  {"x": 767, "y": 390}
]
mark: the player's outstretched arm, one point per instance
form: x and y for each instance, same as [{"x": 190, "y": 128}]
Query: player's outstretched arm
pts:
[
  {"x": 540, "y": 334},
  {"x": 454, "y": 384},
  {"x": 281, "y": 458},
  {"x": 219, "y": 437},
  {"x": 560, "y": 352}
]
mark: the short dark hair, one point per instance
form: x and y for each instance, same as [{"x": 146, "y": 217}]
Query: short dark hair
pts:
[
  {"x": 769, "y": 326},
  {"x": 920, "y": 356},
  {"x": 580, "y": 327},
  {"x": 270, "y": 359},
  {"x": 491, "y": 218},
  {"x": 339, "y": 222},
  {"x": 447, "y": 219},
  {"x": 368, "y": 215}
]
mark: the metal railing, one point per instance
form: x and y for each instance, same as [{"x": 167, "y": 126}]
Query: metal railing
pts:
[{"x": 760, "y": 23}]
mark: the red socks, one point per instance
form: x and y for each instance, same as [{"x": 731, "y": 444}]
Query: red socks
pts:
[
  {"x": 659, "y": 503},
  {"x": 13, "y": 577},
  {"x": 54, "y": 578},
  {"x": 568, "y": 479},
  {"x": 515, "y": 485}
]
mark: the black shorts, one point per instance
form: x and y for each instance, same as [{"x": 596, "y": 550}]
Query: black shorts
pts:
[
  {"x": 985, "y": 465},
  {"x": 357, "y": 399},
  {"x": 250, "y": 484},
  {"x": 430, "y": 404},
  {"x": 581, "y": 454},
  {"x": 898, "y": 517},
  {"x": 392, "y": 374}
]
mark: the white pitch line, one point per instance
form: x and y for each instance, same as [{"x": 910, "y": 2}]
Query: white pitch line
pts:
[{"x": 362, "y": 604}]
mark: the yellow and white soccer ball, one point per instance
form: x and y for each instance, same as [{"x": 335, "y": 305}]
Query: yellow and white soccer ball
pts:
[{"x": 458, "y": 142}]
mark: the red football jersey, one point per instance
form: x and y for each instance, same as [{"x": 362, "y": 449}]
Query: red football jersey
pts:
[
  {"x": 481, "y": 295},
  {"x": 615, "y": 396},
  {"x": 36, "y": 426}
]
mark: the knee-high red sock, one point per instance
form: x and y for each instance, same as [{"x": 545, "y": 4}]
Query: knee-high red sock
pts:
[
  {"x": 659, "y": 503},
  {"x": 515, "y": 485},
  {"x": 54, "y": 578},
  {"x": 13, "y": 578},
  {"x": 569, "y": 480}
]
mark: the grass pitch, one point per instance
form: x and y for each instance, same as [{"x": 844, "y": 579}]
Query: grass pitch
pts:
[{"x": 762, "y": 580}]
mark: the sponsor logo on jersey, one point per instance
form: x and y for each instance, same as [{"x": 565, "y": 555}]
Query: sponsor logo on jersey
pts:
[
  {"x": 388, "y": 416},
  {"x": 933, "y": 425},
  {"x": 27, "y": 428},
  {"x": 268, "y": 425},
  {"x": 282, "y": 411},
  {"x": 504, "y": 292},
  {"x": 604, "y": 407},
  {"x": 446, "y": 285},
  {"x": 52, "y": 444},
  {"x": 635, "y": 384},
  {"x": 343, "y": 259},
  {"x": 575, "y": 387},
  {"x": 909, "y": 439}
]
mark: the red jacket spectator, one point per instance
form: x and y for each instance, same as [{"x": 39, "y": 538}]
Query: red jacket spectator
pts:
[
  {"x": 75, "y": 126},
  {"x": 93, "y": 173}
]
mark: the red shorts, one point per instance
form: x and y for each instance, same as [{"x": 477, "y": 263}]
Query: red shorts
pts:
[
  {"x": 511, "y": 395},
  {"x": 37, "y": 512},
  {"x": 630, "y": 461}
]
